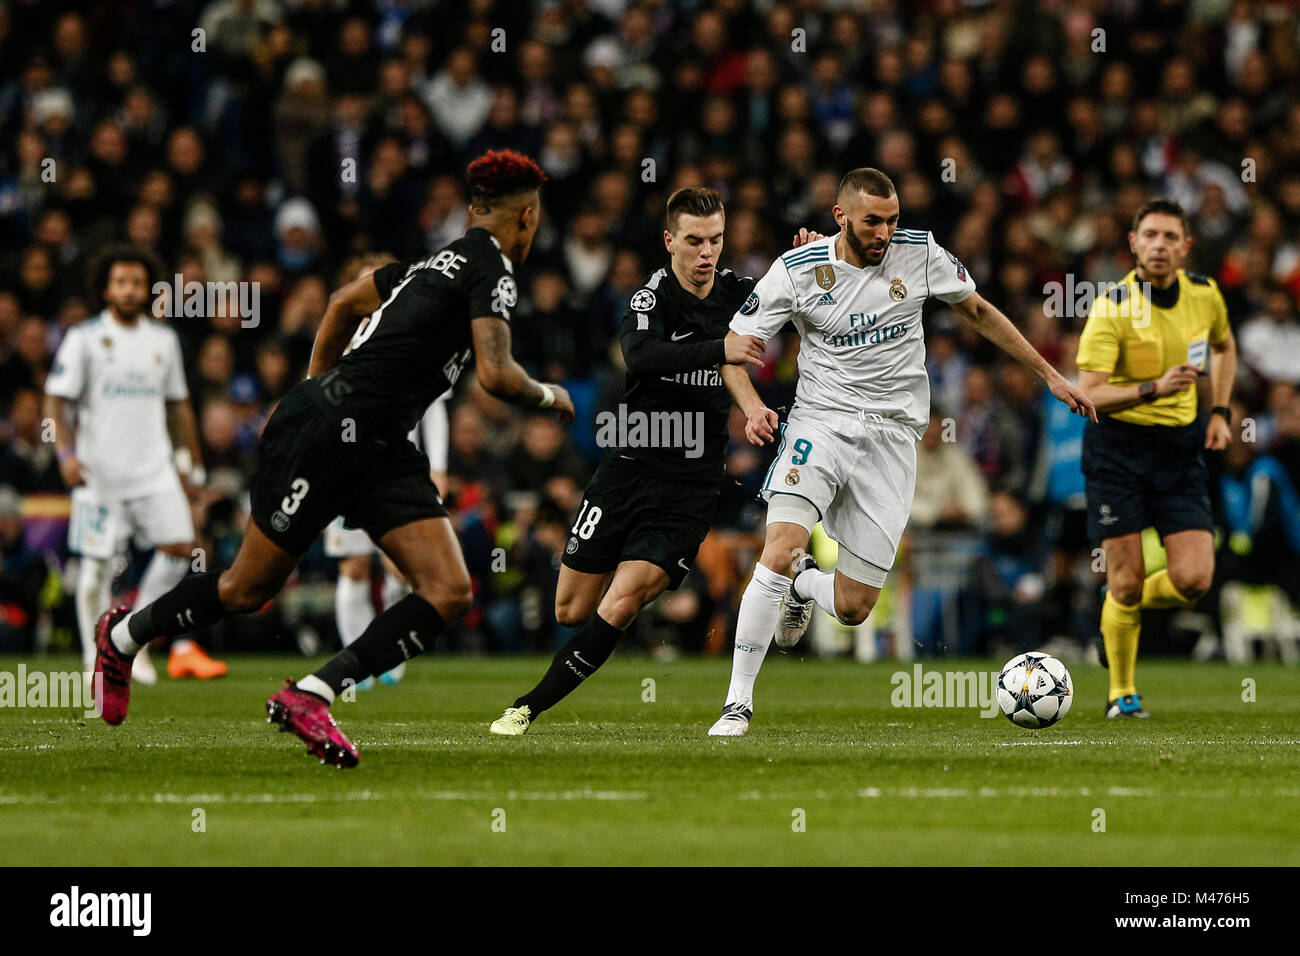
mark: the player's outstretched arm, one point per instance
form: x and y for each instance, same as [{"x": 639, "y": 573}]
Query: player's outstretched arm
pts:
[
  {"x": 760, "y": 421},
  {"x": 501, "y": 376},
  {"x": 347, "y": 307},
  {"x": 998, "y": 329}
]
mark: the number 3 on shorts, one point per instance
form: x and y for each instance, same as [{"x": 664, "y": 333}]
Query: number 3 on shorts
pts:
[
  {"x": 802, "y": 449},
  {"x": 298, "y": 491}
]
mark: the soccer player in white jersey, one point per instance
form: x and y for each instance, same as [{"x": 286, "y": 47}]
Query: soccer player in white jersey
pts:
[
  {"x": 354, "y": 608},
  {"x": 847, "y": 455},
  {"x": 123, "y": 374}
]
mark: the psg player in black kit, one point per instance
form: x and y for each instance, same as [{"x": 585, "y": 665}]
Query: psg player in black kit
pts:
[
  {"x": 651, "y": 501},
  {"x": 337, "y": 444}
]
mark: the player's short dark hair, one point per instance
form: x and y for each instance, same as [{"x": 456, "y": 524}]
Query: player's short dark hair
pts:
[
  {"x": 864, "y": 179},
  {"x": 1161, "y": 205},
  {"x": 692, "y": 201},
  {"x": 102, "y": 265},
  {"x": 499, "y": 174}
]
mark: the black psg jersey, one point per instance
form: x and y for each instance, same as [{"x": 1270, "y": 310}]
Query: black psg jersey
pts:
[
  {"x": 416, "y": 344},
  {"x": 673, "y": 418}
]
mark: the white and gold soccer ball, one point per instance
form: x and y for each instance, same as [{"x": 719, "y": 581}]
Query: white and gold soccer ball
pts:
[{"x": 1034, "y": 690}]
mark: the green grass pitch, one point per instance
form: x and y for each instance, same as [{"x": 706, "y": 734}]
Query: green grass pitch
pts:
[{"x": 831, "y": 773}]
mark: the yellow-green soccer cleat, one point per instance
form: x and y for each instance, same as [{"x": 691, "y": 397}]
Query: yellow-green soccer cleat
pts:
[{"x": 513, "y": 722}]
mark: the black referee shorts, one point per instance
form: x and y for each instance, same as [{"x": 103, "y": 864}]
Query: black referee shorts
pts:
[
  {"x": 1139, "y": 476},
  {"x": 307, "y": 475}
]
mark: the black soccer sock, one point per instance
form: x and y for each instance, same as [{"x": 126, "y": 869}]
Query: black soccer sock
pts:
[
  {"x": 398, "y": 634},
  {"x": 192, "y": 604},
  {"x": 573, "y": 663}
]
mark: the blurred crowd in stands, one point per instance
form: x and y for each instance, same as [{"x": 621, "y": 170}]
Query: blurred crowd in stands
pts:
[{"x": 267, "y": 142}]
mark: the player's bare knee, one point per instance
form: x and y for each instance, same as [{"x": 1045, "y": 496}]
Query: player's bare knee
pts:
[
  {"x": 453, "y": 598},
  {"x": 1191, "y": 584},
  {"x": 183, "y": 551},
  {"x": 354, "y": 568},
  {"x": 853, "y": 612},
  {"x": 619, "y": 610},
  {"x": 1125, "y": 588},
  {"x": 569, "y": 613},
  {"x": 778, "y": 553}
]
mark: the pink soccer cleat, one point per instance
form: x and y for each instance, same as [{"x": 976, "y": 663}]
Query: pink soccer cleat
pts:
[
  {"x": 113, "y": 669},
  {"x": 309, "y": 717}
]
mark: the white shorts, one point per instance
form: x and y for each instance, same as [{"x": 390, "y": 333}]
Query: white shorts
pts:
[
  {"x": 341, "y": 542},
  {"x": 859, "y": 471},
  {"x": 100, "y": 527}
]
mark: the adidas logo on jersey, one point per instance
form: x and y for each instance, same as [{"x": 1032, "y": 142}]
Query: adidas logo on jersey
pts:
[{"x": 826, "y": 299}]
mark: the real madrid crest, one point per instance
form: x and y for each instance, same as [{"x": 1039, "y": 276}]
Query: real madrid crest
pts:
[
  {"x": 825, "y": 275},
  {"x": 897, "y": 291},
  {"x": 792, "y": 476}
]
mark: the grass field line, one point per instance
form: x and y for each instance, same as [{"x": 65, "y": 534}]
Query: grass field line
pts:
[
  {"x": 558, "y": 796},
  {"x": 347, "y": 796}
]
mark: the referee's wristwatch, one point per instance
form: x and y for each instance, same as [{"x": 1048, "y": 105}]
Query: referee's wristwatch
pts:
[
  {"x": 1223, "y": 410},
  {"x": 1147, "y": 391}
]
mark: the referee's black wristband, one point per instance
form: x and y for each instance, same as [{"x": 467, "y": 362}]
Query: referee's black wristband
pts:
[{"x": 1223, "y": 410}]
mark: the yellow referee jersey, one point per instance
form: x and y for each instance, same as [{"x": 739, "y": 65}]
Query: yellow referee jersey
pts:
[{"x": 1135, "y": 341}]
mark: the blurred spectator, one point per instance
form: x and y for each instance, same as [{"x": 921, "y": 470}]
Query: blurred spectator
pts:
[
  {"x": 310, "y": 132},
  {"x": 950, "y": 491}
]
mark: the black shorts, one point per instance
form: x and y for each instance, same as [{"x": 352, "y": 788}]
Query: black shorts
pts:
[
  {"x": 307, "y": 475},
  {"x": 628, "y": 515},
  {"x": 1139, "y": 476}
]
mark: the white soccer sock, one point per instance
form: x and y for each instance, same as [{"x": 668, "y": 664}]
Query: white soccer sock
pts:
[
  {"x": 121, "y": 637},
  {"x": 818, "y": 585},
  {"x": 394, "y": 589},
  {"x": 93, "y": 595},
  {"x": 353, "y": 609},
  {"x": 314, "y": 685},
  {"x": 755, "y": 627}
]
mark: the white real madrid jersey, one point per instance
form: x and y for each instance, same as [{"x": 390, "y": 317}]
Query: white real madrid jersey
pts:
[
  {"x": 861, "y": 343},
  {"x": 121, "y": 377}
]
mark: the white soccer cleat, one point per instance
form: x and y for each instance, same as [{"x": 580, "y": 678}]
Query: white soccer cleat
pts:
[
  {"x": 795, "y": 614},
  {"x": 514, "y": 722},
  {"x": 734, "y": 721},
  {"x": 142, "y": 669}
]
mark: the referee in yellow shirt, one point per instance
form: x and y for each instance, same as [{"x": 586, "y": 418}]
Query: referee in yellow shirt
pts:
[{"x": 1145, "y": 342}]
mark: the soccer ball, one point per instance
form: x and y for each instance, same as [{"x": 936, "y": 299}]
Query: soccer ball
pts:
[{"x": 1034, "y": 690}]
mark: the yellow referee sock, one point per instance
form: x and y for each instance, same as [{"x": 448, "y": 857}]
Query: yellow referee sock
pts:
[
  {"x": 1120, "y": 627},
  {"x": 1158, "y": 591}
]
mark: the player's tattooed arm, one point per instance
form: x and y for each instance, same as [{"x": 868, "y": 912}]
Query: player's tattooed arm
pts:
[
  {"x": 65, "y": 440},
  {"x": 503, "y": 377},
  {"x": 347, "y": 307},
  {"x": 760, "y": 421},
  {"x": 991, "y": 323}
]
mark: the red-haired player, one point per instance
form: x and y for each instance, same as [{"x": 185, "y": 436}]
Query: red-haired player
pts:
[{"x": 389, "y": 344}]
